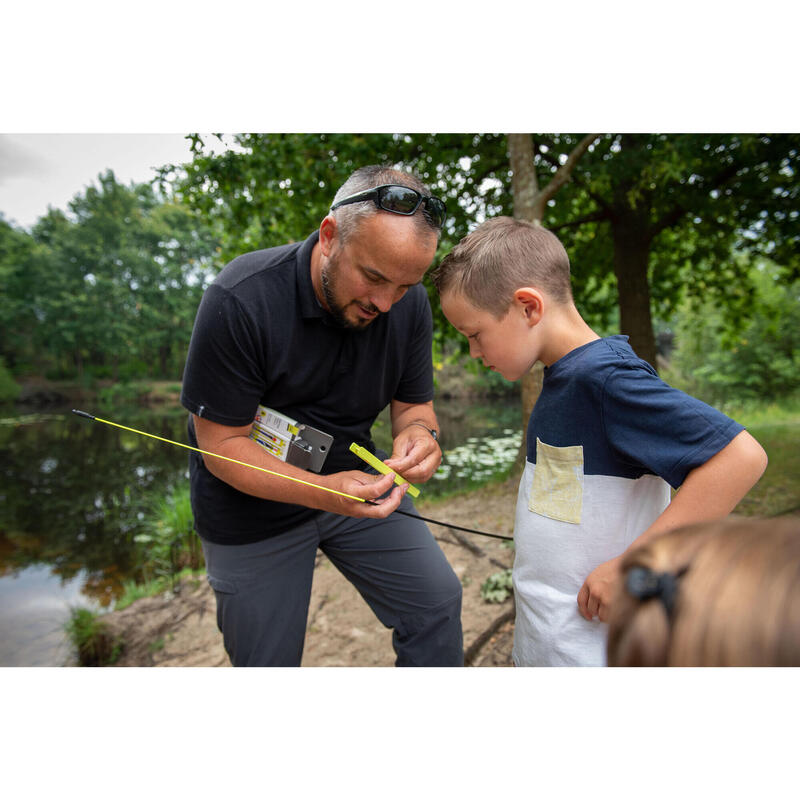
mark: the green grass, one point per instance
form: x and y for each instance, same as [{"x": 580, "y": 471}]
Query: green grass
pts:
[
  {"x": 778, "y": 491},
  {"x": 90, "y": 639},
  {"x": 131, "y": 591}
]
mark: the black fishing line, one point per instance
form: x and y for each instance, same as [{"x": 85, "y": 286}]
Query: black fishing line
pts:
[{"x": 455, "y": 527}]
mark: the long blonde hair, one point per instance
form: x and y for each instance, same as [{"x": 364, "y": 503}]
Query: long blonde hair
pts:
[{"x": 736, "y": 597}]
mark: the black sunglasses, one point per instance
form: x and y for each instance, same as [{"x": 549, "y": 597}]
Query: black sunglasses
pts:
[{"x": 400, "y": 200}]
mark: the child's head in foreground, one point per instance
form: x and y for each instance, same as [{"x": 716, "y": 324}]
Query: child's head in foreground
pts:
[
  {"x": 498, "y": 285},
  {"x": 719, "y": 594}
]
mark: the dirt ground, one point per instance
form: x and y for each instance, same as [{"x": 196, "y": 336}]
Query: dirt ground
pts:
[{"x": 180, "y": 630}]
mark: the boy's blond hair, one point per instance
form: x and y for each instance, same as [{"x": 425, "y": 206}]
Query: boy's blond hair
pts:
[
  {"x": 501, "y": 256},
  {"x": 733, "y": 592}
]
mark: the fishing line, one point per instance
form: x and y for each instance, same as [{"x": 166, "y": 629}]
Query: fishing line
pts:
[
  {"x": 450, "y": 525},
  {"x": 282, "y": 475}
]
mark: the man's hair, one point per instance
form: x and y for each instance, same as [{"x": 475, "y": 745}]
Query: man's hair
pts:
[
  {"x": 736, "y": 598},
  {"x": 350, "y": 216},
  {"x": 501, "y": 256}
]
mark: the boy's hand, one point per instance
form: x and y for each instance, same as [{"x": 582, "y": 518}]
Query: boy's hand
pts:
[{"x": 598, "y": 589}]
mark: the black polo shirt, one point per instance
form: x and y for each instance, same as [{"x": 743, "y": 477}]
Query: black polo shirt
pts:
[{"x": 261, "y": 336}]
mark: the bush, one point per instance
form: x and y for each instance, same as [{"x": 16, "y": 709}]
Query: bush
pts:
[
  {"x": 93, "y": 644},
  {"x": 171, "y": 543},
  {"x": 759, "y": 360},
  {"x": 9, "y": 388}
]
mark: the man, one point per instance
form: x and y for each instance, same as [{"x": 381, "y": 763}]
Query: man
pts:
[{"x": 327, "y": 332}]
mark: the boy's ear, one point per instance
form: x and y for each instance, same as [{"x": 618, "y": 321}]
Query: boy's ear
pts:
[{"x": 531, "y": 302}]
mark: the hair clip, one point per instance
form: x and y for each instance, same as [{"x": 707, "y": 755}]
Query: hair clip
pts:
[{"x": 643, "y": 583}]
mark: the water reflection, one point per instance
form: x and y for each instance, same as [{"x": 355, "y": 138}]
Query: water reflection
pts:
[{"x": 75, "y": 493}]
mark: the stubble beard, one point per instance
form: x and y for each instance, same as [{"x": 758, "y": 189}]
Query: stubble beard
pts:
[{"x": 328, "y": 280}]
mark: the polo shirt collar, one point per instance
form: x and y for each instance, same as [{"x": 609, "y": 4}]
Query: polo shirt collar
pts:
[{"x": 309, "y": 305}]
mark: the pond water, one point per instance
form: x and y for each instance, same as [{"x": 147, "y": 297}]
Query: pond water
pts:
[{"x": 75, "y": 493}]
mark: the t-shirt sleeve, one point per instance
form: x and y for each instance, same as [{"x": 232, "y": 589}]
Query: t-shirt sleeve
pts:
[
  {"x": 416, "y": 382},
  {"x": 222, "y": 380},
  {"x": 654, "y": 425}
]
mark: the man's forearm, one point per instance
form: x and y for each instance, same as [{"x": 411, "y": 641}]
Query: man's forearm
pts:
[{"x": 407, "y": 414}]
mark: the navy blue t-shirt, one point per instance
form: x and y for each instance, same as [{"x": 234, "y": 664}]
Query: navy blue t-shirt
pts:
[
  {"x": 261, "y": 337},
  {"x": 628, "y": 421}
]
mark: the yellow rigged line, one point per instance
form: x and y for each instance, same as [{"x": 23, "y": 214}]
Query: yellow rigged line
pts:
[{"x": 225, "y": 458}]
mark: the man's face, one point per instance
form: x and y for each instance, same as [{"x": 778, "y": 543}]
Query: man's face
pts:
[{"x": 385, "y": 257}]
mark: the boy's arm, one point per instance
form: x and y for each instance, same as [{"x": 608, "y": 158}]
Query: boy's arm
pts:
[{"x": 710, "y": 491}]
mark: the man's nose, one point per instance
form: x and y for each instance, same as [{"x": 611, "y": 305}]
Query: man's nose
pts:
[{"x": 383, "y": 299}]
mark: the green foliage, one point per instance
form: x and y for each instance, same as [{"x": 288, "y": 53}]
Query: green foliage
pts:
[
  {"x": 497, "y": 587},
  {"x": 9, "y": 388},
  {"x": 724, "y": 359},
  {"x": 111, "y": 397},
  {"x": 136, "y": 590},
  {"x": 171, "y": 543},
  {"x": 109, "y": 289},
  {"x": 659, "y": 210},
  {"x": 89, "y": 636},
  {"x": 778, "y": 490}
]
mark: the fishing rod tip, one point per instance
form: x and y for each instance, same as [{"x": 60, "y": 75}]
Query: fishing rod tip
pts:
[{"x": 82, "y": 413}]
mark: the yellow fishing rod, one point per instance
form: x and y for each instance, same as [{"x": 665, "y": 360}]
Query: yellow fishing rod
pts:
[{"x": 398, "y": 479}]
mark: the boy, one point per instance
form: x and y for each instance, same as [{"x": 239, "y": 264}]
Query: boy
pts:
[{"x": 606, "y": 439}]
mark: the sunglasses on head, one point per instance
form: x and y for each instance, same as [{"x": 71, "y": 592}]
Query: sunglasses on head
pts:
[{"x": 399, "y": 200}]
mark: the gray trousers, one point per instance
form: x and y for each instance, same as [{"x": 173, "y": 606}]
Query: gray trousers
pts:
[{"x": 263, "y": 589}]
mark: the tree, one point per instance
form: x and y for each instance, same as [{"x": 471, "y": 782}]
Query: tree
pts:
[
  {"x": 664, "y": 213},
  {"x": 646, "y": 218},
  {"x": 125, "y": 273}
]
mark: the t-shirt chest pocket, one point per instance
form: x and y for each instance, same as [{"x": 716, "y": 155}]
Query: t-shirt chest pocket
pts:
[{"x": 557, "y": 487}]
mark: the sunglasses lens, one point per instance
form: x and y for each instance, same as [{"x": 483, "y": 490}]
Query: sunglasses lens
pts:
[
  {"x": 437, "y": 211},
  {"x": 399, "y": 199}
]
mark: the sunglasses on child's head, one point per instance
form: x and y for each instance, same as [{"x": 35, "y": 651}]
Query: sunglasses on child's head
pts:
[{"x": 400, "y": 200}]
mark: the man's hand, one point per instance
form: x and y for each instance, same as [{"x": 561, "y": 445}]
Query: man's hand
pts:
[
  {"x": 370, "y": 487},
  {"x": 415, "y": 454},
  {"x": 598, "y": 589}
]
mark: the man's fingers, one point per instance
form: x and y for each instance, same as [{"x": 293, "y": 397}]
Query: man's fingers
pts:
[{"x": 382, "y": 508}]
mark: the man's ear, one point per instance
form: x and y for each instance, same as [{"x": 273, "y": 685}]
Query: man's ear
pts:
[
  {"x": 327, "y": 235},
  {"x": 531, "y": 303}
]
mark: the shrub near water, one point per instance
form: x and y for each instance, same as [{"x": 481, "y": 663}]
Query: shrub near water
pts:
[
  {"x": 94, "y": 645},
  {"x": 166, "y": 554},
  {"x": 172, "y": 543},
  {"x": 9, "y": 388}
]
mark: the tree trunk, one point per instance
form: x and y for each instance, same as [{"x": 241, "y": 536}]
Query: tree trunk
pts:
[
  {"x": 525, "y": 188},
  {"x": 529, "y": 205},
  {"x": 631, "y": 258}
]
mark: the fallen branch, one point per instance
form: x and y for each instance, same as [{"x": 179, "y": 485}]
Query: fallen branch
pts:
[{"x": 474, "y": 649}]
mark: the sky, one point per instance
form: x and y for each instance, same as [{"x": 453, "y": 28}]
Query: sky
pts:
[{"x": 49, "y": 169}]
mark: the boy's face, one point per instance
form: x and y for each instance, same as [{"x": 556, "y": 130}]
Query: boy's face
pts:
[{"x": 504, "y": 345}]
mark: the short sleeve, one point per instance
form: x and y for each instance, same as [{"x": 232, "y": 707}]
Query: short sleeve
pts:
[
  {"x": 416, "y": 382},
  {"x": 660, "y": 428},
  {"x": 223, "y": 378}
]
